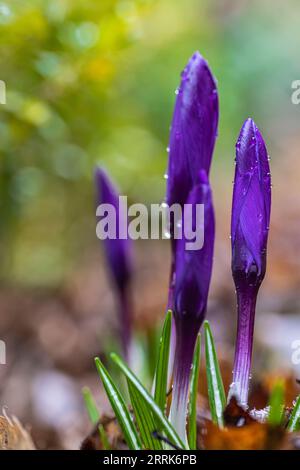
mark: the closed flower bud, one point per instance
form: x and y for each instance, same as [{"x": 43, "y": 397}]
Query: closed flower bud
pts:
[{"x": 250, "y": 222}]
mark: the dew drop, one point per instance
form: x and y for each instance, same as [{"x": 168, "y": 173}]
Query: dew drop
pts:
[{"x": 167, "y": 234}]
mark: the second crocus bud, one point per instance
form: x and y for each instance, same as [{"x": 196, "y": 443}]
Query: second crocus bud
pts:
[
  {"x": 192, "y": 280},
  {"x": 250, "y": 222}
]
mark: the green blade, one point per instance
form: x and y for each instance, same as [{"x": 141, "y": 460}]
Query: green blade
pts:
[
  {"x": 118, "y": 404},
  {"x": 144, "y": 419},
  {"x": 161, "y": 374},
  {"x": 166, "y": 427},
  {"x": 216, "y": 393},
  {"x": 294, "y": 421},
  {"x": 192, "y": 436},
  {"x": 103, "y": 437},
  {"x": 276, "y": 404},
  {"x": 94, "y": 415},
  {"x": 90, "y": 405}
]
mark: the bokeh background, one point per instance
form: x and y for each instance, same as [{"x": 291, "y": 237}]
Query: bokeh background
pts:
[{"x": 92, "y": 82}]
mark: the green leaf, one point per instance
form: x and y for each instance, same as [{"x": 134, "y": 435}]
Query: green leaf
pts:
[
  {"x": 276, "y": 404},
  {"x": 144, "y": 419},
  {"x": 118, "y": 404},
  {"x": 149, "y": 401},
  {"x": 94, "y": 415},
  {"x": 216, "y": 393},
  {"x": 161, "y": 374},
  {"x": 103, "y": 437},
  {"x": 151, "y": 349},
  {"x": 294, "y": 421},
  {"x": 91, "y": 406},
  {"x": 192, "y": 437}
]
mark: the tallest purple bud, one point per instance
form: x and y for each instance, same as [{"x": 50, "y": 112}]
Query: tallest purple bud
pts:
[
  {"x": 250, "y": 222},
  {"x": 192, "y": 140},
  {"x": 193, "y": 130},
  {"x": 192, "y": 137}
]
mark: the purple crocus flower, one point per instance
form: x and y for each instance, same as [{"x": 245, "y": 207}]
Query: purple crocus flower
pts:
[
  {"x": 192, "y": 140},
  {"x": 192, "y": 279},
  {"x": 118, "y": 255},
  {"x": 251, "y": 208},
  {"x": 193, "y": 130}
]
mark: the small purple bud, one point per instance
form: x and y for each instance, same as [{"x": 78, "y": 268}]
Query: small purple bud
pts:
[
  {"x": 251, "y": 207},
  {"x": 118, "y": 255}
]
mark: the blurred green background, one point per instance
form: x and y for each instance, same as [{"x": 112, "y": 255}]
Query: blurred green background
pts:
[{"x": 93, "y": 82}]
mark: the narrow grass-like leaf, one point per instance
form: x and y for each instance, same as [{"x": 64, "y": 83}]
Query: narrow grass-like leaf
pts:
[
  {"x": 192, "y": 436},
  {"x": 161, "y": 374},
  {"x": 166, "y": 426},
  {"x": 103, "y": 437},
  {"x": 91, "y": 406},
  {"x": 216, "y": 393},
  {"x": 94, "y": 415},
  {"x": 118, "y": 404},
  {"x": 276, "y": 404},
  {"x": 144, "y": 419},
  {"x": 151, "y": 349},
  {"x": 294, "y": 421}
]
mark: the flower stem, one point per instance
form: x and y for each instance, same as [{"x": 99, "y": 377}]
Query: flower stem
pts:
[
  {"x": 185, "y": 344},
  {"x": 246, "y": 302},
  {"x": 125, "y": 313}
]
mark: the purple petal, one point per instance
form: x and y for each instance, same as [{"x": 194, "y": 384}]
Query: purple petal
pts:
[
  {"x": 117, "y": 251},
  {"x": 251, "y": 203},
  {"x": 194, "y": 129},
  {"x": 194, "y": 267}
]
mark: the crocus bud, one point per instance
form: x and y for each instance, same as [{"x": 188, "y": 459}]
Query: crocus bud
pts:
[
  {"x": 193, "y": 130},
  {"x": 118, "y": 255},
  {"x": 192, "y": 140},
  {"x": 192, "y": 279},
  {"x": 251, "y": 206}
]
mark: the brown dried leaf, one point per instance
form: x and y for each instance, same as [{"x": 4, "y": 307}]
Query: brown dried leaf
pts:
[
  {"x": 242, "y": 432},
  {"x": 235, "y": 415},
  {"x": 13, "y": 436},
  {"x": 250, "y": 437}
]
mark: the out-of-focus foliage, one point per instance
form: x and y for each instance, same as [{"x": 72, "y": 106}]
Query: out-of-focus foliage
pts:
[{"x": 93, "y": 81}]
